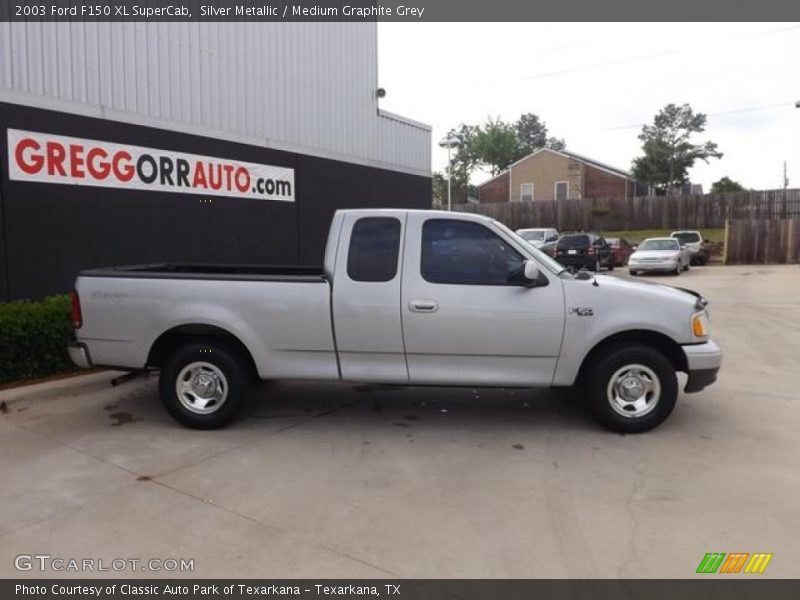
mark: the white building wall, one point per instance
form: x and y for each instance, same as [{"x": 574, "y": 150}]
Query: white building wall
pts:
[{"x": 305, "y": 87}]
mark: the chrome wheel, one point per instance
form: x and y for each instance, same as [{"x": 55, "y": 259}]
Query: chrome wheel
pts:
[
  {"x": 202, "y": 388},
  {"x": 633, "y": 391}
]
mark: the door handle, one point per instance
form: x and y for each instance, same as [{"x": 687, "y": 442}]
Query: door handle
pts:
[{"x": 427, "y": 306}]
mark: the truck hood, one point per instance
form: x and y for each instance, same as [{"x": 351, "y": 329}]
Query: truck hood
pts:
[{"x": 617, "y": 288}]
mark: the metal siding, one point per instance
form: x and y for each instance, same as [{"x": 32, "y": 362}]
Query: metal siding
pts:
[{"x": 308, "y": 86}]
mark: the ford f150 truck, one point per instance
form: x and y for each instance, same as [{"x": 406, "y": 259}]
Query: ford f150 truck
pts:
[{"x": 404, "y": 297}]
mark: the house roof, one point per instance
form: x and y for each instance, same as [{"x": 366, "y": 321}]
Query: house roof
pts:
[{"x": 574, "y": 155}]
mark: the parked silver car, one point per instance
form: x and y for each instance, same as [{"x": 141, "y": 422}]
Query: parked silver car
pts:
[{"x": 660, "y": 254}]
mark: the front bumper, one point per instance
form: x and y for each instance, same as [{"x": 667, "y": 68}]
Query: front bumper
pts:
[
  {"x": 79, "y": 354},
  {"x": 703, "y": 362},
  {"x": 653, "y": 266}
]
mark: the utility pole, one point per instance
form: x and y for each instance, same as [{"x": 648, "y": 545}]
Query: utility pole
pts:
[{"x": 785, "y": 177}]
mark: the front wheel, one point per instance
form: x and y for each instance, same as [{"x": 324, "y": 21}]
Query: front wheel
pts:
[
  {"x": 202, "y": 385},
  {"x": 632, "y": 389}
]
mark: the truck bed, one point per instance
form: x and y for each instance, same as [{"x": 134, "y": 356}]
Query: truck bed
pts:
[{"x": 248, "y": 272}]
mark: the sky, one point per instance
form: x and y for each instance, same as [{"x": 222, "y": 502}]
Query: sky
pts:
[{"x": 596, "y": 84}]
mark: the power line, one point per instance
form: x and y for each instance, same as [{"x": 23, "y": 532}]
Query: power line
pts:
[
  {"x": 717, "y": 114},
  {"x": 622, "y": 61}
]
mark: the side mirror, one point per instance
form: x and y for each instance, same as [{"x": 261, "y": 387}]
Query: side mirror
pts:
[
  {"x": 552, "y": 238},
  {"x": 527, "y": 275},
  {"x": 531, "y": 271}
]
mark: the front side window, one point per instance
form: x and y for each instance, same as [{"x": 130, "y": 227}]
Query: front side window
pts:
[
  {"x": 374, "y": 248},
  {"x": 466, "y": 253}
]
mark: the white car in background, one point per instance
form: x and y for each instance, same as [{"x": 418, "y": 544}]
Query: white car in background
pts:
[
  {"x": 538, "y": 236},
  {"x": 665, "y": 255}
]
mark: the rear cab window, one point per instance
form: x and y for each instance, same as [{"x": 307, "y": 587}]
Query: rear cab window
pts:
[{"x": 374, "y": 249}]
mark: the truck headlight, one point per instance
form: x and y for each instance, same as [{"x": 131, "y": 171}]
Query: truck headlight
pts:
[{"x": 700, "y": 324}]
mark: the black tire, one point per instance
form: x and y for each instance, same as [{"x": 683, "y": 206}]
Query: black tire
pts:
[
  {"x": 599, "y": 378},
  {"x": 634, "y": 273},
  {"x": 224, "y": 369}
]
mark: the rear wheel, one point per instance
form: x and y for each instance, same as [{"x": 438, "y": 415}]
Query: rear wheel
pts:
[
  {"x": 202, "y": 384},
  {"x": 631, "y": 389}
]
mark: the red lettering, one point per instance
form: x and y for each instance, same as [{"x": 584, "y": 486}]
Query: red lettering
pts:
[
  {"x": 199, "y": 176},
  {"x": 228, "y": 172},
  {"x": 98, "y": 170},
  {"x": 34, "y": 162},
  {"x": 215, "y": 185},
  {"x": 242, "y": 179},
  {"x": 55, "y": 159},
  {"x": 76, "y": 160},
  {"x": 123, "y": 172}
]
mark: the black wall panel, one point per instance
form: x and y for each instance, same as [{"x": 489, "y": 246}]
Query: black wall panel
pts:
[{"x": 50, "y": 232}]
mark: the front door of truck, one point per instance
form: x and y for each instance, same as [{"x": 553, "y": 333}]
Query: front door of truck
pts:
[
  {"x": 463, "y": 322},
  {"x": 366, "y": 297}
]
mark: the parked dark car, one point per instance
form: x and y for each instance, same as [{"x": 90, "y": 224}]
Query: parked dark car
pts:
[
  {"x": 584, "y": 251},
  {"x": 621, "y": 249}
]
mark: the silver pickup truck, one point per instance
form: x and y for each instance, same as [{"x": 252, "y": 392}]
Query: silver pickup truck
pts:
[{"x": 404, "y": 297}]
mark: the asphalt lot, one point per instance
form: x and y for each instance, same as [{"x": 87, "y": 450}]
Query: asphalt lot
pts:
[{"x": 363, "y": 481}]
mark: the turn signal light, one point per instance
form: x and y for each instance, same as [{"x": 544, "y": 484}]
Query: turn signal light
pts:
[{"x": 699, "y": 325}]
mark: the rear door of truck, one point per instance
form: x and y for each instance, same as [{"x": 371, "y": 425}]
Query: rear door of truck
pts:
[{"x": 366, "y": 296}]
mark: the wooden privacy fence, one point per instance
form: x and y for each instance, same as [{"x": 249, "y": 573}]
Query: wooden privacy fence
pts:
[
  {"x": 648, "y": 212},
  {"x": 762, "y": 241}
]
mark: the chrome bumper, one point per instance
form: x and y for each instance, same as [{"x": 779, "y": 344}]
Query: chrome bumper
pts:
[
  {"x": 703, "y": 362},
  {"x": 79, "y": 354}
]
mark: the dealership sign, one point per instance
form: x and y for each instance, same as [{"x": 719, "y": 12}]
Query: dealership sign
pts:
[{"x": 46, "y": 158}]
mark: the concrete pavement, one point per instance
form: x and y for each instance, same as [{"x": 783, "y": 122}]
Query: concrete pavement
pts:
[{"x": 364, "y": 481}]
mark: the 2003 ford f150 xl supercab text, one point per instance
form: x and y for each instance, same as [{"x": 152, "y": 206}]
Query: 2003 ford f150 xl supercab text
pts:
[{"x": 404, "y": 297}]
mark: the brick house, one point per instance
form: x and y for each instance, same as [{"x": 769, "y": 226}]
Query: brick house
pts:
[{"x": 547, "y": 175}]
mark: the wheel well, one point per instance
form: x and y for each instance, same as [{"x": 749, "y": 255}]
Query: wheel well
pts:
[
  {"x": 664, "y": 344},
  {"x": 173, "y": 338}
]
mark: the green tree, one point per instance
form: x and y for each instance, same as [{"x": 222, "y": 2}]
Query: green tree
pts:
[
  {"x": 496, "y": 145},
  {"x": 531, "y": 134},
  {"x": 463, "y": 159},
  {"x": 668, "y": 150},
  {"x": 493, "y": 146},
  {"x": 726, "y": 184}
]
